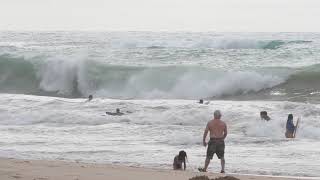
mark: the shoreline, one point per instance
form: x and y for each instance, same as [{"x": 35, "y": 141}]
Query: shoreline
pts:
[{"x": 24, "y": 169}]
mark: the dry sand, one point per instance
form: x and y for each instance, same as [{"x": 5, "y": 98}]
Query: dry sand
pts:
[{"x": 13, "y": 169}]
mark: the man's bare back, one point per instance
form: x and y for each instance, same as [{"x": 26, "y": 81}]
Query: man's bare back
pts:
[
  {"x": 217, "y": 128},
  {"x": 218, "y": 132}
]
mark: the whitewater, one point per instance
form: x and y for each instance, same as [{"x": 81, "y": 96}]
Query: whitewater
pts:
[{"x": 156, "y": 79}]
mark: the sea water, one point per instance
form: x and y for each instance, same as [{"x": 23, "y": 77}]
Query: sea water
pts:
[{"x": 156, "y": 79}]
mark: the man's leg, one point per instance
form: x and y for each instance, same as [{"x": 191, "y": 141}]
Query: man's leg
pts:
[
  {"x": 220, "y": 155},
  {"x": 206, "y": 164},
  {"x": 223, "y": 162},
  {"x": 210, "y": 153}
]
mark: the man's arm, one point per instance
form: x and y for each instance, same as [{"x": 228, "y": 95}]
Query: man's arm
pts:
[
  {"x": 205, "y": 135},
  {"x": 225, "y": 132},
  {"x": 291, "y": 126}
]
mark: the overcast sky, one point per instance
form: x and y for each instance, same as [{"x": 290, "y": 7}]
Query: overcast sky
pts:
[{"x": 161, "y": 15}]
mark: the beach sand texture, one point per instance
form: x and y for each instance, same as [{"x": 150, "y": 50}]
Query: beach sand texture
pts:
[{"x": 11, "y": 169}]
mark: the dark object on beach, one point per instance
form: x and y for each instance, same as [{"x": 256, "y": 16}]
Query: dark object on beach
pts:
[
  {"x": 200, "y": 178},
  {"x": 219, "y": 178},
  {"x": 227, "y": 178},
  {"x": 201, "y": 101},
  {"x": 117, "y": 113}
]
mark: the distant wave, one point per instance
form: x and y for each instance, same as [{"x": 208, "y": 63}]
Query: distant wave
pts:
[
  {"x": 130, "y": 41},
  {"x": 208, "y": 43}
]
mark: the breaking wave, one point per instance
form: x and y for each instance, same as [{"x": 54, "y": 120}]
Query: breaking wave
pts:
[{"x": 76, "y": 78}]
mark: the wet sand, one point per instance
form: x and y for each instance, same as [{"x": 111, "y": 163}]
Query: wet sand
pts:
[{"x": 12, "y": 169}]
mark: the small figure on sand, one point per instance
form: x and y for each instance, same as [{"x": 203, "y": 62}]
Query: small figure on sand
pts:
[
  {"x": 264, "y": 116},
  {"x": 117, "y": 113},
  {"x": 201, "y": 101},
  {"x": 218, "y": 132},
  {"x": 179, "y": 159},
  {"x": 290, "y": 128}
]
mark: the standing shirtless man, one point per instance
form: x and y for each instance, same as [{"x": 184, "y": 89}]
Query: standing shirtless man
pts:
[{"x": 218, "y": 132}]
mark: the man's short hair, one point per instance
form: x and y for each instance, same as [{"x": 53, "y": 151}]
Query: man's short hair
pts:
[{"x": 217, "y": 114}]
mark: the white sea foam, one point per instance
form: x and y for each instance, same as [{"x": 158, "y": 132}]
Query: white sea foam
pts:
[
  {"x": 167, "y": 125},
  {"x": 49, "y": 127}
]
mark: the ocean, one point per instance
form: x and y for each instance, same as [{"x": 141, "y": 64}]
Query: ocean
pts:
[{"x": 156, "y": 79}]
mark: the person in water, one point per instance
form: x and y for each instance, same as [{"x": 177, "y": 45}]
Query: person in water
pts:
[
  {"x": 290, "y": 128},
  {"x": 201, "y": 101},
  {"x": 178, "y": 160},
  {"x": 90, "y": 97},
  {"x": 218, "y": 132},
  {"x": 117, "y": 113},
  {"x": 264, "y": 116}
]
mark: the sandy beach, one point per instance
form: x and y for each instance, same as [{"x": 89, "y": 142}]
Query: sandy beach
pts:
[{"x": 59, "y": 170}]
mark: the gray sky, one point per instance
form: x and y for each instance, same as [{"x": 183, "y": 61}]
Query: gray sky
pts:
[{"x": 161, "y": 15}]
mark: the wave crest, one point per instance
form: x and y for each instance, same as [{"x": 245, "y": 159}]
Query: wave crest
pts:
[
  {"x": 76, "y": 78},
  {"x": 207, "y": 43},
  {"x": 73, "y": 78}
]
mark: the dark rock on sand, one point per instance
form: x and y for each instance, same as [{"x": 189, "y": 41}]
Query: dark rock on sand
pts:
[{"x": 219, "y": 178}]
